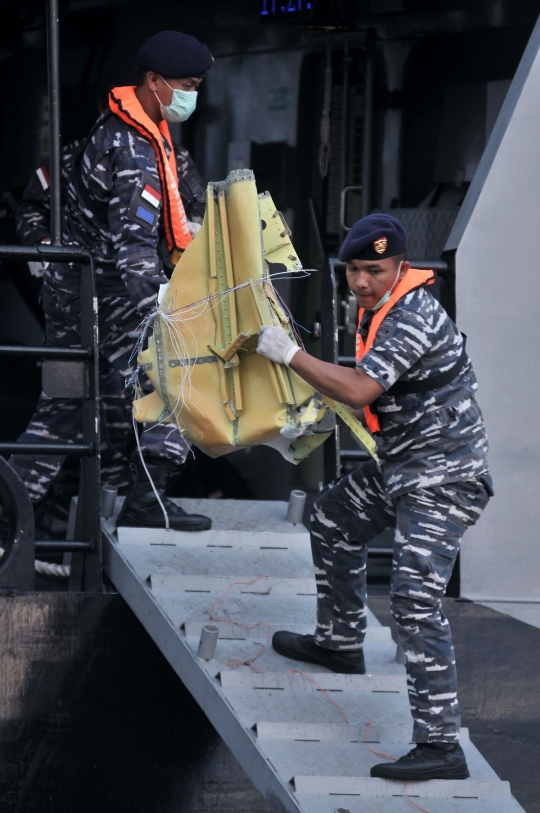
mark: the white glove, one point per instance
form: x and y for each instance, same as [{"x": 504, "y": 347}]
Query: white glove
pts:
[
  {"x": 194, "y": 228},
  {"x": 275, "y": 345}
]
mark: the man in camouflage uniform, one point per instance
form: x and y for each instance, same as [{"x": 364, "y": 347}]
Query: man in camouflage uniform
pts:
[
  {"x": 107, "y": 210},
  {"x": 34, "y": 211},
  {"x": 32, "y": 219},
  {"x": 432, "y": 484},
  {"x": 33, "y": 214}
]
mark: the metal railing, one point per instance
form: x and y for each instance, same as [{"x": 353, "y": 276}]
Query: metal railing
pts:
[{"x": 73, "y": 372}]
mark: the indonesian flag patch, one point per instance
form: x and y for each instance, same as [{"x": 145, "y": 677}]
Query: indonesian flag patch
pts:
[
  {"x": 43, "y": 176},
  {"x": 151, "y": 195}
]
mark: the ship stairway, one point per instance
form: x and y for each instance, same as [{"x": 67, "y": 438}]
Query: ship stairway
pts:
[{"x": 305, "y": 736}]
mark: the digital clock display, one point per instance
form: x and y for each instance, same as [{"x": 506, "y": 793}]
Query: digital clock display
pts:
[{"x": 279, "y": 8}]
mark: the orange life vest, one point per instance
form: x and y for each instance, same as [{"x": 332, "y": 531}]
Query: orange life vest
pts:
[
  {"x": 414, "y": 278},
  {"x": 123, "y": 102}
]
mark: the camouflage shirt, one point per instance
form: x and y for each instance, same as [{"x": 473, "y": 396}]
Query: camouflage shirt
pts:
[
  {"x": 428, "y": 438},
  {"x": 33, "y": 214},
  {"x": 126, "y": 241}
]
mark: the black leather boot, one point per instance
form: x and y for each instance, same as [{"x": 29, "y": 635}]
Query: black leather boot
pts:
[
  {"x": 429, "y": 760},
  {"x": 141, "y": 508},
  {"x": 304, "y": 648}
]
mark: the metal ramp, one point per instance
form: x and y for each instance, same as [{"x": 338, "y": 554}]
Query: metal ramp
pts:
[{"x": 305, "y": 749}]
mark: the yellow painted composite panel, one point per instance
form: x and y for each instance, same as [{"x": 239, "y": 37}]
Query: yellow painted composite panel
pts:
[{"x": 201, "y": 359}]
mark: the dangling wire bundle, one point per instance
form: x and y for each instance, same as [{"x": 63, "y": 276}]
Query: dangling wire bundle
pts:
[
  {"x": 177, "y": 324},
  {"x": 132, "y": 379},
  {"x": 324, "y": 149},
  {"x": 292, "y": 321},
  {"x": 143, "y": 330}
]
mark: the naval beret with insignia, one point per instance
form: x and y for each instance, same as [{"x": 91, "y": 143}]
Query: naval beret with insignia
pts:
[
  {"x": 374, "y": 237},
  {"x": 175, "y": 55}
]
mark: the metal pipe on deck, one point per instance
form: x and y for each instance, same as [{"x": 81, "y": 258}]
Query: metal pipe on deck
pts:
[
  {"x": 295, "y": 509},
  {"x": 55, "y": 144}
]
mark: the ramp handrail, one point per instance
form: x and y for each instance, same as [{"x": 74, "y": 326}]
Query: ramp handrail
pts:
[
  {"x": 86, "y": 563},
  {"x": 87, "y": 560}
]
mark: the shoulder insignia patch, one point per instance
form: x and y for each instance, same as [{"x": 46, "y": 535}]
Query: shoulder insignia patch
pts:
[
  {"x": 380, "y": 245},
  {"x": 151, "y": 195},
  {"x": 144, "y": 214},
  {"x": 386, "y": 329},
  {"x": 43, "y": 175}
]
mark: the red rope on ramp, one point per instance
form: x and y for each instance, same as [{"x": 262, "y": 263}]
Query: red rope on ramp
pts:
[
  {"x": 237, "y": 661},
  {"x": 388, "y": 756},
  {"x": 373, "y": 751},
  {"x": 307, "y": 677},
  {"x": 234, "y": 662}
]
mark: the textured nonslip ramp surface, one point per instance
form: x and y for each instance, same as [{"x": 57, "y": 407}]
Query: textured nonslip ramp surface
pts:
[{"x": 305, "y": 736}]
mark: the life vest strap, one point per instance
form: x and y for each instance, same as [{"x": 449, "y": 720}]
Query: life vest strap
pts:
[{"x": 124, "y": 103}]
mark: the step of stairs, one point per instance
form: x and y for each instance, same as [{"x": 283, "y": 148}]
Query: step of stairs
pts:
[{"x": 305, "y": 736}]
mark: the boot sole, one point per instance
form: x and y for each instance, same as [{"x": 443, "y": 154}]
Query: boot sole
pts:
[
  {"x": 423, "y": 775},
  {"x": 298, "y": 656},
  {"x": 121, "y": 523}
]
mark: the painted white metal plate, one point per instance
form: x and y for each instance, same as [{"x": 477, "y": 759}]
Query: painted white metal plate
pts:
[
  {"x": 236, "y": 586},
  {"x": 193, "y": 630},
  {"x": 433, "y": 789},
  {"x": 387, "y": 684},
  {"x": 317, "y": 732},
  {"x": 400, "y": 804},
  {"x": 280, "y": 706},
  {"x": 378, "y": 654},
  {"x": 235, "y": 523},
  {"x": 212, "y": 539},
  {"x": 350, "y": 759},
  {"x": 241, "y": 608}
]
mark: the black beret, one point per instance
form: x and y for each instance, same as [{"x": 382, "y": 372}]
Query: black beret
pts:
[
  {"x": 374, "y": 237},
  {"x": 175, "y": 55}
]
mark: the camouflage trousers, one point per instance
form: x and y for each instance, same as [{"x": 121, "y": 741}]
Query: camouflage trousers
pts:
[
  {"x": 59, "y": 420},
  {"x": 428, "y": 524}
]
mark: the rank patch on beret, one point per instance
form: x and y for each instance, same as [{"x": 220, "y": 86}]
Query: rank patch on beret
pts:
[{"x": 372, "y": 237}]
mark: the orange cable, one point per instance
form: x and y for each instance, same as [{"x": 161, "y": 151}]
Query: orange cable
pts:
[
  {"x": 333, "y": 702},
  {"x": 233, "y": 662},
  {"x": 378, "y": 753},
  {"x": 423, "y": 809},
  {"x": 381, "y": 754},
  {"x": 237, "y": 661},
  {"x": 250, "y": 662}
]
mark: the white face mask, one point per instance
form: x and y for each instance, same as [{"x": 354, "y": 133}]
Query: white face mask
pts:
[
  {"x": 182, "y": 105},
  {"x": 388, "y": 294}
]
